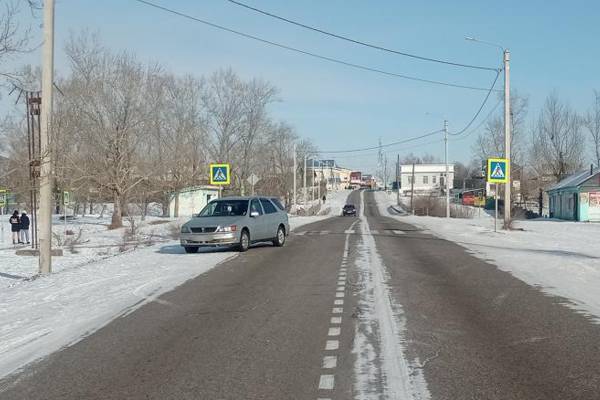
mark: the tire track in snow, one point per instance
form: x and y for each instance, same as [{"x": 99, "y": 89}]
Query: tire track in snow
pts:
[{"x": 382, "y": 370}]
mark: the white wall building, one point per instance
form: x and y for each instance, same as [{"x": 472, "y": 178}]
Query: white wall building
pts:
[
  {"x": 428, "y": 178},
  {"x": 192, "y": 200},
  {"x": 336, "y": 177}
]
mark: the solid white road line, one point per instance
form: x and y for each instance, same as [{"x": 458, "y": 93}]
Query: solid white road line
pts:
[
  {"x": 349, "y": 231},
  {"x": 300, "y": 233}
]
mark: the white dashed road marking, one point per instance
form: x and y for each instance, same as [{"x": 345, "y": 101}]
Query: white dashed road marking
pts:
[
  {"x": 327, "y": 381},
  {"x": 334, "y": 331},
  {"x": 332, "y": 345},
  {"x": 398, "y": 232},
  {"x": 329, "y": 362}
]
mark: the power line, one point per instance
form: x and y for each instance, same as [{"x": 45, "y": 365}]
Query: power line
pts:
[
  {"x": 308, "y": 53},
  {"x": 387, "y": 152},
  {"x": 487, "y": 96},
  {"x": 359, "y": 42},
  {"x": 412, "y": 139},
  {"x": 480, "y": 123}
]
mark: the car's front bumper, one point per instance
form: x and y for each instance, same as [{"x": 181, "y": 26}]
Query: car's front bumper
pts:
[{"x": 209, "y": 239}]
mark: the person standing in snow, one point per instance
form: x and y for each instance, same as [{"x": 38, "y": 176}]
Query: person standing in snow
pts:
[
  {"x": 24, "y": 228},
  {"x": 15, "y": 227}
]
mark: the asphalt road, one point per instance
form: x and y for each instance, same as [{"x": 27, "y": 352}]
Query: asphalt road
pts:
[{"x": 366, "y": 307}]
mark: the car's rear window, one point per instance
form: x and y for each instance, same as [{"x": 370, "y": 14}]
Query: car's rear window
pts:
[
  {"x": 268, "y": 206},
  {"x": 278, "y": 203}
]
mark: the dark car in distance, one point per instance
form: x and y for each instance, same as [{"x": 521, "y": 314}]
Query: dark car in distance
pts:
[{"x": 349, "y": 209}]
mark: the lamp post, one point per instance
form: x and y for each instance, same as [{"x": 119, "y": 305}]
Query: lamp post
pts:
[{"x": 507, "y": 138}]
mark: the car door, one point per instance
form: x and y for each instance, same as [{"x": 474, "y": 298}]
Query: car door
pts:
[
  {"x": 258, "y": 228},
  {"x": 271, "y": 218}
]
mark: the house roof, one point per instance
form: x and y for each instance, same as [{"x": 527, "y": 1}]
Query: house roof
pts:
[{"x": 574, "y": 180}]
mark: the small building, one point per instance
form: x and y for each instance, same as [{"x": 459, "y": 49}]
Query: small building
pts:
[
  {"x": 429, "y": 179},
  {"x": 191, "y": 200},
  {"x": 328, "y": 171},
  {"x": 577, "y": 197}
]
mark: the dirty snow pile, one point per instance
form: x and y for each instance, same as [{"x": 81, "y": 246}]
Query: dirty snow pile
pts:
[{"x": 560, "y": 257}]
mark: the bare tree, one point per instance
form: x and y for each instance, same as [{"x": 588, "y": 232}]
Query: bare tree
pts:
[
  {"x": 558, "y": 146},
  {"x": 592, "y": 124},
  {"x": 490, "y": 143}
]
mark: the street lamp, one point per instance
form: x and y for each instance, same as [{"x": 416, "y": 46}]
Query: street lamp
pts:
[{"x": 506, "y": 68}]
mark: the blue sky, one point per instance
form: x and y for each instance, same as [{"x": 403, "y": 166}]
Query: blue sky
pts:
[{"x": 553, "y": 46}]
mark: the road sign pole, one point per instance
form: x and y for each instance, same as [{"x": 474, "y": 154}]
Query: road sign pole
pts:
[{"x": 496, "y": 208}]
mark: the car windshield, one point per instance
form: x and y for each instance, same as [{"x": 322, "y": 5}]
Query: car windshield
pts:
[
  {"x": 225, "y": 208},
  {"x": 348, "y": 206}
]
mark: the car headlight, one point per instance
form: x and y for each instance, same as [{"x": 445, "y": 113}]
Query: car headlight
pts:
[
  {"x": 185, "y": 229},
  {"x": 231, "y": 228}
]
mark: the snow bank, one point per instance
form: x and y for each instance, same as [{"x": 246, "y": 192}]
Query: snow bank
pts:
[
  {"x": 332, "y": 207},
  {"x": 562, "y": 258},
  {"x": 45, "y": 314}
]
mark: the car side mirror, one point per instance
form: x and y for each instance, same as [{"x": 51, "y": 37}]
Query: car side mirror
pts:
[{"x": 254, "y": 214}]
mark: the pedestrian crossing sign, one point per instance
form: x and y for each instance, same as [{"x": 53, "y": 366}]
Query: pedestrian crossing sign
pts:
[
  {"x": 498, "y": 170},
  {"x": 219, "y": 174}
]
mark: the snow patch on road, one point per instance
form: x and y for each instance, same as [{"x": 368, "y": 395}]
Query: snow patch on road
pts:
[
  {"x": 559, "y": 257},
  {"x": 380, "y": 333}
]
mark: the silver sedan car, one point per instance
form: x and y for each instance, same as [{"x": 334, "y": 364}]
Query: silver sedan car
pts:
[{"x": 238, "y": 222}]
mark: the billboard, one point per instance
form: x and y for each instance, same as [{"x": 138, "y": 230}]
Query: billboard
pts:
[{"x": 356, "y": 177}]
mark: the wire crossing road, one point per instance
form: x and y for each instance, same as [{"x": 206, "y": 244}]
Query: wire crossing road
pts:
[{"x": 351, "y": 308}]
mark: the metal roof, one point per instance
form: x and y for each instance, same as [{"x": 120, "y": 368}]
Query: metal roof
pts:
[{"x": 574, "y": 180}]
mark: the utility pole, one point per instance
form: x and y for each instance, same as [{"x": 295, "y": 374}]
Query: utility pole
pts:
[
  {"x": 294, "y": 175},
  {"x": 398, "y": 180},
  {"x": 412, "y": 189},
  {"x": 319, "y": 184},
  {"x": 45, "y": 234},
  {"x": 304, "y": 191},
  {"x": 507, "y": 186},
  {"x": 447, "y": 169}
]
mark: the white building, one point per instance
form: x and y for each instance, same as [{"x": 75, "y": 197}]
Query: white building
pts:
[
  {"x": 190, "y": 201},
  {"x": 336, "y": 177},
  {"x": 428, "y": 178}
]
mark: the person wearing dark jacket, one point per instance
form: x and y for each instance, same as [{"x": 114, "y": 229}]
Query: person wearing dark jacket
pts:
[
  {"x": 24, "y": 228},
  {"x": 15, "y": 227}
]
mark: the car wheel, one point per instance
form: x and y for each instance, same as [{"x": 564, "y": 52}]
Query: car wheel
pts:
[
  {"x": 189, "y": 249},
  {"x": 280, "y": 238},
  {"x": 244, "y": 241}
]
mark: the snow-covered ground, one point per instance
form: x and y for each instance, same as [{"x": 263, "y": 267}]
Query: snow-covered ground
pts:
[
  {"x": 562, "y": 258},
  {"x": 332, "y": 207}
]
